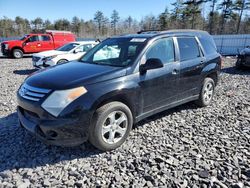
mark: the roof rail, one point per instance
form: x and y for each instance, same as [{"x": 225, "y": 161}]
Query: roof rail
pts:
[{"x": 148, "y": 31}]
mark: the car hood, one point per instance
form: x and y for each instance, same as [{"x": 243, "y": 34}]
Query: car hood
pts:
[
  {"x": 73, "y": 74},
  {"x": 13, "y": 42},
  {"x": 49, "y": 53}
]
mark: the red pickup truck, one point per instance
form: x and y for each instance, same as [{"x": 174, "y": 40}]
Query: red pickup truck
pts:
[{"x": 36, "y": 42}]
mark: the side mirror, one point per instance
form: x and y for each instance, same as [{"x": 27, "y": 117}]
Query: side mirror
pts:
[
  {"x": 152, "y": 63},
  {"x": 76, "y": 51}
]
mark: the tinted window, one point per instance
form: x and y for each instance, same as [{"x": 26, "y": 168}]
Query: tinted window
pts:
[
  {"x": 208, "y": 45},
  {"x": 162, "y": 49},
  {"x": 45, "y": 38},
  {"x": 32, "y": 39},
  {"x": 188, "y": 48}
]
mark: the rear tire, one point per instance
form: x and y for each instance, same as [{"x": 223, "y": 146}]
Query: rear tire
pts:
[
  {"x": 17, "y": 53},
  {"x": 206, "y": 93},
  {"x": 111, "y": 125}
]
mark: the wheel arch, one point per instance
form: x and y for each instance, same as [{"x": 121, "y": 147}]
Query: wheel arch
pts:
[
  {"x": 16, "y": 47},
  {"x": 214, "y": 76},
  {"x": 66, "y": 60},
  {"x": 212, "y": 71},
  {"x": 124, "y": 98}
]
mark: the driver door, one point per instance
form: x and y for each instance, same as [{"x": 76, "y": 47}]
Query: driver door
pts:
[
  {"x": 32, "y": 44},
  {"x": 159, "y": 86}
]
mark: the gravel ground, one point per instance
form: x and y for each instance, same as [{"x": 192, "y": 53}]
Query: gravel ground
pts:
[{"x": 183, "y": 147}]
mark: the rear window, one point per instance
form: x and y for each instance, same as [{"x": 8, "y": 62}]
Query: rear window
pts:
[
  {"x": 189, "y": 48},
  {"x": 67, "y": 47},
  {"x": 208, "y": 45}
]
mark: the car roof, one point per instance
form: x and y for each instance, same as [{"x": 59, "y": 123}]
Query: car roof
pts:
[
  {"x": 179, "y": 32},
  {"x": 85, "y": 42}
]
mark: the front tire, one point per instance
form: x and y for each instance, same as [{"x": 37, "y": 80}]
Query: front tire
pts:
[
  {"x": 17, "y": 53},
  {"x": 238, "y": 64},
  {"x": 111, "y": 126},
  {"x": 206, "y": 93}
]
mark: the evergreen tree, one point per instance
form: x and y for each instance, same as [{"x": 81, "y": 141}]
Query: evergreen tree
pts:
[{"x": 114, "y": 20}]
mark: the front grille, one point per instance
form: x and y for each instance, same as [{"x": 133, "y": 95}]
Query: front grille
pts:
[
  {"x": 2, "y": 47},
  {"x": 32, "y": 93},
  {"x": 35, "y": 59}
]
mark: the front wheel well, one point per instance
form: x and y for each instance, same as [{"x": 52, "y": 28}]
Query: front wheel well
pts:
[
  {"x": 16, "y": 47},
  {"x": 118, "y": 98}
]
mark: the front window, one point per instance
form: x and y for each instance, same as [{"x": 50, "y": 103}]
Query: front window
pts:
[
  {"x": 67, "y": 47},
  {"x": 33, "y": 39},
  {"x": 24, "y": 37},
  {"x": 119, "y": 52}
]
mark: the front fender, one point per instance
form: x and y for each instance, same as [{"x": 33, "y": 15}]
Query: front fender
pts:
[{"x": 123, "y": 91}]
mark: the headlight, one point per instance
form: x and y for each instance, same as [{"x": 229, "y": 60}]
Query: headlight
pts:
[
  {"x": 58, "y": 100},
  {"x": 48, "y": 58},
  {"x": 6, "y": 46}
]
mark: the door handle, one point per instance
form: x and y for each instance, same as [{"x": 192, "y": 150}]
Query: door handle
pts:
[
  {"x": 203, "y": 60},
  {"x": 38, "y": 44},
  {"x": 175, "y": 71}
]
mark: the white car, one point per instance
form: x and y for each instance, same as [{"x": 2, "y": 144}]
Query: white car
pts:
[{"x": 68, "y": 52}]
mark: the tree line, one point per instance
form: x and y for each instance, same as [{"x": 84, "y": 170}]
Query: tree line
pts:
[{"x": 214, "y": 16}]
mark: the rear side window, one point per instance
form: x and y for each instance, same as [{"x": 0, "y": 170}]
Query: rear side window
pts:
[
  {"x": 189, "y": 48},
  {"x": 45, "y": 38},
  {"x": 162, "y": 49}
]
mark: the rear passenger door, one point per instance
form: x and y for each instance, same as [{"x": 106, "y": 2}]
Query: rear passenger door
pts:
[
  {"x": 159, "y": 86},
  {"x": 191, "y": 65},
  {"x": 46, "y": 42}
]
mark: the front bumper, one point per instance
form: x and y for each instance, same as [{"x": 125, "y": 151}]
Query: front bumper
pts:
[
  {"x": 244, "y": 60},
  {"x": 5, "y": 52},
  {"x": 65, "y": 130},
  {"x": 41, "y": 64}
]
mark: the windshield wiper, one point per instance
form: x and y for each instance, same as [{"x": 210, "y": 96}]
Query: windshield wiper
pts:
[{"x": 101, "y": 63}]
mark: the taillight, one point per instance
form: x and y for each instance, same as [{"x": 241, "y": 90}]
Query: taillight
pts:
[{"x": 221, "y": 62}]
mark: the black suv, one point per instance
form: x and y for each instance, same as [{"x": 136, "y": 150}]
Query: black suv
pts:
[{"x": 116, "y": 84}]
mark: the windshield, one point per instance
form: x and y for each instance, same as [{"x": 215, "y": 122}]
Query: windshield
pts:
[
  {"x": 24, "y": 37},
  {"x": 115, "y": 52},
  {"x": 67, "y": 47}
]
